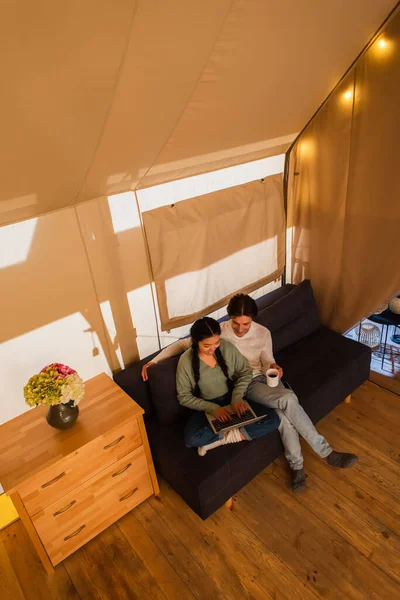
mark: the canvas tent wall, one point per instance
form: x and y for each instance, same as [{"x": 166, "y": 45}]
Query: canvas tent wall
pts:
[
  {"x": 344, "y": 189},
  {"x": 103, "y": 98}
]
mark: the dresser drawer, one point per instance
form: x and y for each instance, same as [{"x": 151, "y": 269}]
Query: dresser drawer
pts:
[
  {"x": 67, "y": 474},
  {"x": 76, "y": 518}
]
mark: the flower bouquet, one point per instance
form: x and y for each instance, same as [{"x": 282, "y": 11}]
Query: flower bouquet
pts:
[
  {"x": 55, "y": 384},
  {"x": 60, "y": 388}
]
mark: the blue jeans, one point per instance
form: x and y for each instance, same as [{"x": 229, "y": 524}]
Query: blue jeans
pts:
[{"x": 199, "y": 433}]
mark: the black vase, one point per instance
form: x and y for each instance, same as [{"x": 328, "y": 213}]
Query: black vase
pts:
[{"x": 62, "y": 416}]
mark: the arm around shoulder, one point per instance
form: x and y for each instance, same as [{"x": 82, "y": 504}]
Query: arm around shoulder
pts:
[{"x": 173, "y": 350}]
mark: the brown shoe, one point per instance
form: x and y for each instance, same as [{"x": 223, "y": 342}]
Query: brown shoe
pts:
[
  {"x": 298, "y": 480},
  {"x": 341, "y": 460}
]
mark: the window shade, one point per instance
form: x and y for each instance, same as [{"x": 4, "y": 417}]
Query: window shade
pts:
[{"x": 207, "y": 248}]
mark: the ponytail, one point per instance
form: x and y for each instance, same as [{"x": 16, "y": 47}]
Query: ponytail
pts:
[{"x": 196, "y": 368}]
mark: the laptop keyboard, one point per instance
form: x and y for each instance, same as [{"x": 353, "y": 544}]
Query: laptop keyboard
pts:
[{"x": 234, "y": 420}]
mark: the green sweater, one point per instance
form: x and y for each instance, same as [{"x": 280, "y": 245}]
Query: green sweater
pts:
[{"x": 213, "y": 383}]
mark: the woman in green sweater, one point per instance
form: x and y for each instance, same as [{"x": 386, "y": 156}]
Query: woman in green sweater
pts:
[{"x": 211, "y": 375}]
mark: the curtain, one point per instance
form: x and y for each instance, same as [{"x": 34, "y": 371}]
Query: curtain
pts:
[
  {"x": 344, "y": 190},
  {"x": 205, "y": 249}
]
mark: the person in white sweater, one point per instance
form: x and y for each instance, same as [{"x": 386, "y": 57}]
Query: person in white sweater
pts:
[{"x": 255, "y": 343}]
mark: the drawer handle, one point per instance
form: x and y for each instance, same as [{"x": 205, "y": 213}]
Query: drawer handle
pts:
[
  {"x": 114, "y": 443},
  {"x": 128, "y": 495},
  {"x": 45, "y": 485},
  {"x": 75, "y": 533},
  {"x": 63, "y": 510},
  {"x": 122, "y": 470}
]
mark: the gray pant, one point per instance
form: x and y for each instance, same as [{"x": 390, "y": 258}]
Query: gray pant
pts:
[{"x": 294, "y": 420}]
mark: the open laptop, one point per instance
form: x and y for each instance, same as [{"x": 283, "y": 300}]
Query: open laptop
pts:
[{"x": 235, "y": 421}]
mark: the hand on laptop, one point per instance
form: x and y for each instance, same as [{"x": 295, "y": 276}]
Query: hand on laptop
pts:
[
  {"x": 239, "y": 408},
  {"x": 222, "y": 414}
]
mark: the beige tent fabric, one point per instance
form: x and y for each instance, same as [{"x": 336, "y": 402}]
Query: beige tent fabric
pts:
[
  {"x": 254, "y": 72},
  {"x": 59, "y": 66},
  {"x": 102, "y": 97},
  {"x": 170, "y": 43},
  {"x": 317, "y": 198},
  {"x": 344, "y": 203},
  {"x": 205, "y": 249}
]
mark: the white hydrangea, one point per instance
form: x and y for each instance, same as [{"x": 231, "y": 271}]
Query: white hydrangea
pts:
[{"x": 72, "y": 389}]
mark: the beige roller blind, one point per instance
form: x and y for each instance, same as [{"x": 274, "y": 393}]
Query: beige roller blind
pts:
[{"x": 205, "y": 249}]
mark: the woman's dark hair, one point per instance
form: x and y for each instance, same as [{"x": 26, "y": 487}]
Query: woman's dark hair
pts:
[
  {"x": 201, "y": 330},
  {"x": 242, "y": 305}
]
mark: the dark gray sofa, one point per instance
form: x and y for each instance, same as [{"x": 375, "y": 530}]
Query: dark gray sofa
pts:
[{"x": 322, "y": 367}]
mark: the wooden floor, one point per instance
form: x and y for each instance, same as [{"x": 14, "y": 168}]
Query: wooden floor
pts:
[
  {"x": 339, "y": 539},
  {"x": 390, "y": 381}
]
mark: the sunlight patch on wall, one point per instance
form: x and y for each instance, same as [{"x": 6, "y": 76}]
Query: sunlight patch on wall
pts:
[
  {"x": 64, "y": 340},
  {"x": 106, "y": 312},
  {"x": 124, "y": 213},
  {"x": 183, "y": 189},
  {"x": 15, "y": 242},
  {"x": 142, "y": 311},
  {"x": 234, "y": 272}
]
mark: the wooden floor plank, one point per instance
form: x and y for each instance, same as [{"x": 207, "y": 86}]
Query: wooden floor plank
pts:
[
  {"x": 231, "y": 580},
  {"x": 389, "y": 382},
  {"x": 380, "y": 546},
  {"x": 307, "y": 530},
  {"x": 375, "y": 465},
  {"x": 371, "y": 422},
  {"x": 33, "y": 579},
  {"x": 268, "y": 553},
  {"x": 344, "y": 481},
  {"x": 9, "y": 584},
  {"x": 107, "y": 568},
  {"x": 384, "y": 403},
  {"x": 160, "y": 569},
  {"x": 354, "y": 433},
  {"x": 172, "y": 548},
  {"x": 322, "y": 545},
  {"x": 282, "y": 530}
]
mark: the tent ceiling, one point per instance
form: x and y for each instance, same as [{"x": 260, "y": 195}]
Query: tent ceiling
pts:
[{"x": 100, "y": 97}]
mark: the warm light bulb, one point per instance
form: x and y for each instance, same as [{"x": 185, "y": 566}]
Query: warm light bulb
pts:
[
  {"x": 348, "y": 94},
  {"x": 382, "y": 43}
]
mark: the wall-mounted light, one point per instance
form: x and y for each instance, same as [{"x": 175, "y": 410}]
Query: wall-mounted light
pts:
[
  {"x": 382, "y": 48},
  {"x": 348, "y": 95}
]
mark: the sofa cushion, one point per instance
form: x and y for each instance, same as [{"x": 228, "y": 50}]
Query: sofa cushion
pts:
[
  {"x": 206, "y": 482},
  {"x": 323, "y": 368},
  {"x": 162, "y": 382},
  {"x": 292, "y": 317}
]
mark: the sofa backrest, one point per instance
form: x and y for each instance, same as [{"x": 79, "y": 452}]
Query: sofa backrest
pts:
[
  {"x": 292, "y": 316},
  {"x": 130, "y": 380}
]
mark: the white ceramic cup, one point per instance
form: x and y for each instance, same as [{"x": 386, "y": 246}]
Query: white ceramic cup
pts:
[{"x": 272, "y": 376}]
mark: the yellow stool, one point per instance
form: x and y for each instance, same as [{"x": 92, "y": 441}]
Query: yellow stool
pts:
[{"x": 8, "y": 514}]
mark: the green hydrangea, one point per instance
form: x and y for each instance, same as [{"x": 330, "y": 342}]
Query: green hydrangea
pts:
[{"x": 44, "y": 388}]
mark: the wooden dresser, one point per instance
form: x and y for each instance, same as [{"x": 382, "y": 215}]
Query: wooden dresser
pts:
[{"x": 70, "y": 485}]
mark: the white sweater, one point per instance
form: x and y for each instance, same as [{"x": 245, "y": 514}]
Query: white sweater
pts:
[{"x": 255, "y": 345}]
